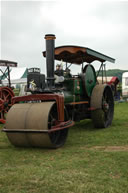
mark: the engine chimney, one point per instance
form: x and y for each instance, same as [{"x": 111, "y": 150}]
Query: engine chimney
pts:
[{"x": 50, "y": 43}]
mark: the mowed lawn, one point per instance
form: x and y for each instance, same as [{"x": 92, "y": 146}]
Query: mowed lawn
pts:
[{"x": 91, "y": 161}]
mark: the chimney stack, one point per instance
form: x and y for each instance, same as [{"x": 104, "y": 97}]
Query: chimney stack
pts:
[{"x": 50, "y": 44}]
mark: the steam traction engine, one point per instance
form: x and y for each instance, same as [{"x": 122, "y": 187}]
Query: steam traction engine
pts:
[
  {"x": 6, "y": 92},
  {"x": 42, "y": 118}
]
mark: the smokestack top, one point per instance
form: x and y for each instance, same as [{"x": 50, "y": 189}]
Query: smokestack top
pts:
[{"x": 50, "y": 37}]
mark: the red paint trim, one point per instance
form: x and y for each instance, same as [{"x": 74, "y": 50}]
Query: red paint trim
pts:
[
  {"x": 44, "y": 97},
  {"x": 59, "y": 126},
  {"x": 62, "y": 125},
  {"x": 114, "y": 80},
  {"x": 2, "y": 121}
]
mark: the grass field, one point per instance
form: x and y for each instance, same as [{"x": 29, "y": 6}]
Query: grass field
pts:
[{"x": 91, "y": 161}]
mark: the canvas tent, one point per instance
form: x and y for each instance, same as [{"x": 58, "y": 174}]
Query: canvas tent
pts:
[{"x": 17, "y": 76}]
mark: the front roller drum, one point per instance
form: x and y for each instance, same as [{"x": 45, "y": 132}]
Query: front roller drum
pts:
[{"x": 34, "y": 117}]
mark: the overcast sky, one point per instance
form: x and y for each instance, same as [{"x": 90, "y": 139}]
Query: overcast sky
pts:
[{"x": 99, "y": 25}]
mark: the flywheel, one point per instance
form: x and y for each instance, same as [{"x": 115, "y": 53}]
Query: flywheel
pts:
[
  {"x": 6, "y": 95},
  {"x": 88, "y": 79}
]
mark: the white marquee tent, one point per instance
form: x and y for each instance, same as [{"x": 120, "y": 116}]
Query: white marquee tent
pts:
[{"x": 17, "y": 76}]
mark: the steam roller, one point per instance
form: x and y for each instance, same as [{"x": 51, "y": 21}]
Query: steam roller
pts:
[{"x": 54, "y": 103}]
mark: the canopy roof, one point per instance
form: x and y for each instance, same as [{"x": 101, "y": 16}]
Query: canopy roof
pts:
[
  {"x": 8, "y": 63},
  {"x": 78, "y": 55}
]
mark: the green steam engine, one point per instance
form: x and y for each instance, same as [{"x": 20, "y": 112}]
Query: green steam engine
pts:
[{"x": 56, "y": 102}]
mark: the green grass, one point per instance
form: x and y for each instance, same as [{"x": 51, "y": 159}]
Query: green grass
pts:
[{"x": 88, "y": 163}]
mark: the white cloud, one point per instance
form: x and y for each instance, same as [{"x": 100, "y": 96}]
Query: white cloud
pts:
[{"x": 100, "y": 25}]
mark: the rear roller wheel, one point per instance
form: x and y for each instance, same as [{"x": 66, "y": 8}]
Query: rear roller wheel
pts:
[
  {"x": 35, "y": 116},
  {"x": 103, "y": 103}
]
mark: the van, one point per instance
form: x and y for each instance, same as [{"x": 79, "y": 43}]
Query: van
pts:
[{"x": 125, "y": 85}]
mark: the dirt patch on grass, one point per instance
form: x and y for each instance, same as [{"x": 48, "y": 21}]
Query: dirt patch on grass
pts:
[{"x": 110, "y": 148}]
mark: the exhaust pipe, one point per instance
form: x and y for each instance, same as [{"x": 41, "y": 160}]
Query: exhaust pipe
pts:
[{"x": 50, "y": 44}]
